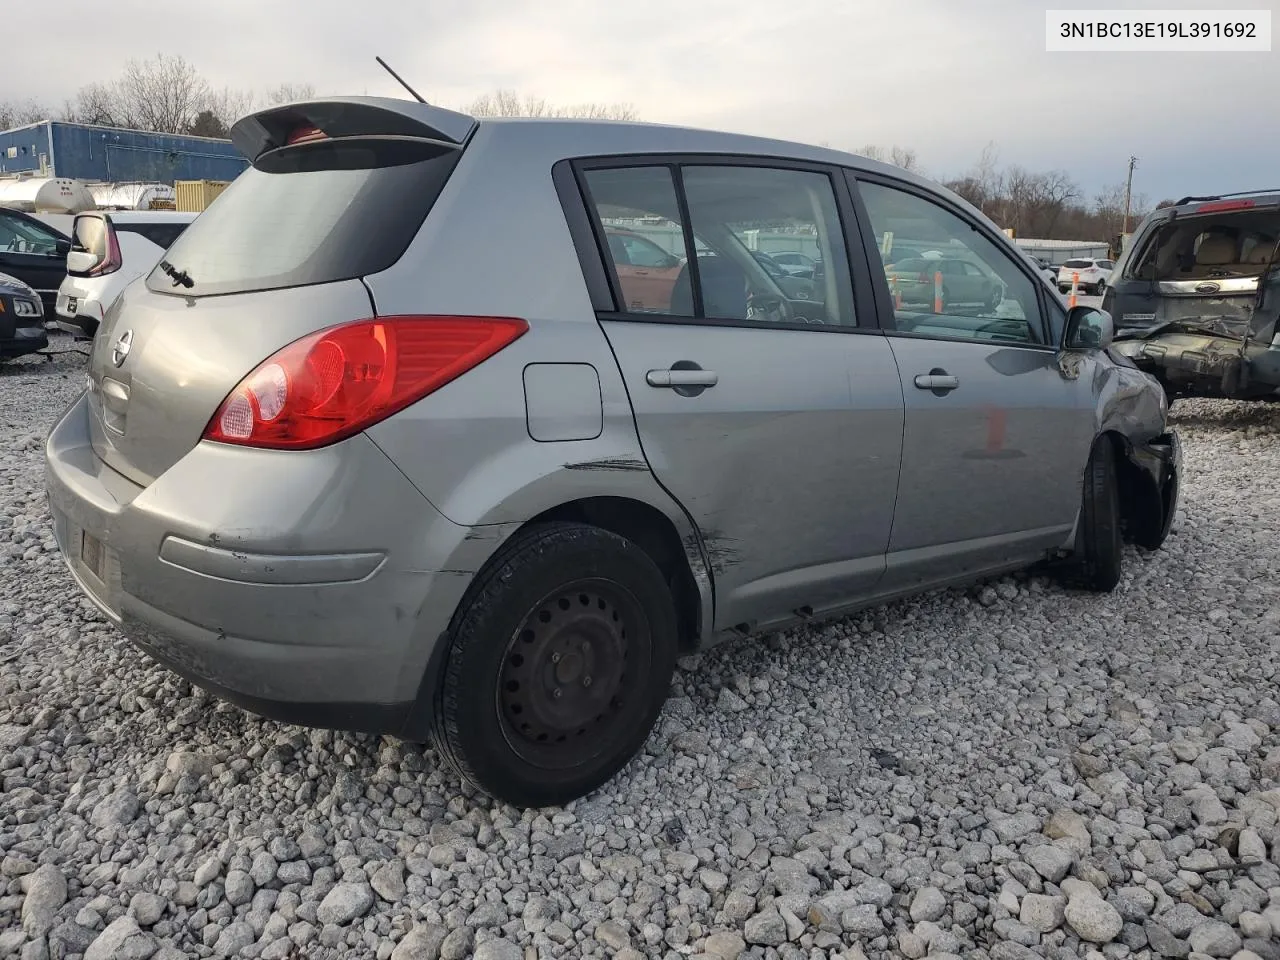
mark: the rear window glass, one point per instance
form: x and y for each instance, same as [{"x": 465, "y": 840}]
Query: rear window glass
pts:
[
  {"x": 1078, "y": 263},
  {"x": 161, "y": 234},
  {"x": 308, "y": 215},
  {"x": 90, "y": 236}
]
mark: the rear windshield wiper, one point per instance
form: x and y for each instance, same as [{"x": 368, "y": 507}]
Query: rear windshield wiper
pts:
[{"x": 179, "y": 277}]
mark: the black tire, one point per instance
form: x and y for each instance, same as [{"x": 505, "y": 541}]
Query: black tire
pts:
[
  {"x": 578, "y": 601},
  {"x": 1099, "y": 542}
]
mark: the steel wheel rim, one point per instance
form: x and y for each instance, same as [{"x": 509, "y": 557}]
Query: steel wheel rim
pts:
[{"x": 568, "y": 685}]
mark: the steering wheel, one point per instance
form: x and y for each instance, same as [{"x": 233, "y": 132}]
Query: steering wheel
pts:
[{"x": 768, "y": 306}]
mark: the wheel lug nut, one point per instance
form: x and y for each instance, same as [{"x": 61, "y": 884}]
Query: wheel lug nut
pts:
[
  {"x": 557, "y": 693},
  {"x": 555, "y": 658},
  {"x": 586, "y": 681}
]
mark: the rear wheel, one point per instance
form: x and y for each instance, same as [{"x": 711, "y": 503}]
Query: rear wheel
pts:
[
  {"x": 558, "y": 664},
  {"x": 1099, "y": 543}
]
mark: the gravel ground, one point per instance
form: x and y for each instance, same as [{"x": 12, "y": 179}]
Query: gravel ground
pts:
[{"x": 1002, "y": 772}]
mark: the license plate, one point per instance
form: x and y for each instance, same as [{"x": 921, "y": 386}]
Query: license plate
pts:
[
  {"x": 93, "y": 556},
  {"x": 71, "y": 305}
]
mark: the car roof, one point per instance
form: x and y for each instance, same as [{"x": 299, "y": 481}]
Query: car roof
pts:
[
  {"x": 142, "y": 216},
  {"x": 547, "y": 138}
]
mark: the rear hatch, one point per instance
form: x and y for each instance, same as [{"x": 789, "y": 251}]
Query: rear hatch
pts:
[
  {"x": 1081, "y": 267},
  {"x": 337, "y": 190},
  {"x": 1198, "y": 268}
]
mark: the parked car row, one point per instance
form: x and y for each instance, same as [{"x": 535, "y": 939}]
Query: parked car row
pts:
[
  {"x": 77, "y": 265},
  {"x": 325, "y": 473}
]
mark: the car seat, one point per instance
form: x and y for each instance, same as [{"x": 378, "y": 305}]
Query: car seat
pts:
[{"x": 724, "y": 289}]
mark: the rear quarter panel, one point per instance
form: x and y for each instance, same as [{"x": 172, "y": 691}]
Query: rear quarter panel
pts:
[{"x": 497, "y": 244}]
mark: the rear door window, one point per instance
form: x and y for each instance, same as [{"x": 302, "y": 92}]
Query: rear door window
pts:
[
  {"x": 735, "y": 213},
  {"x": 311, "y": 215}
]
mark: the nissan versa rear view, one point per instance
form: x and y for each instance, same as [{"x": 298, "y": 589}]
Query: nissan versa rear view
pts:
[{"x": 465, "y": 430}]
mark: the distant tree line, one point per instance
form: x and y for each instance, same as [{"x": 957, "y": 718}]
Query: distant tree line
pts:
[{"x": 167, "y": 94}]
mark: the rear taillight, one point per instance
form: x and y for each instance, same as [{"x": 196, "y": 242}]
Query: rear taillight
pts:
[
  {"x": 305, "y": 134},
  {"x": 334, "y": 383},
  {"x": 112, "y": 261}
]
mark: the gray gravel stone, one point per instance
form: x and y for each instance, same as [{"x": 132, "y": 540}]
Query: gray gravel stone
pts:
[
  {"x": 724, "y": 945},
  {"x": 344, "y": 903},
  {"x": 1051, "y": 861},
  {"x": 498, "y": 950},
  {"x": 929, "y": 904},
  {"x": 767, "y": 929},
  {"x": 1042, "y": 913},
  {"x": 1144, "y": 726},
  {"x": 1214, "y": 939},
  {"x": 147, "y": 908},
  {"x": 46, "y": 893},
  {"x": 108, "y": 944},
  {"x": 1091, "y": 917},
  {"x": 423, "y": 942}
]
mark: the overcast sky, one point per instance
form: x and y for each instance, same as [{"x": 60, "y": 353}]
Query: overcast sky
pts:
[{"x": 944, "y": 77}]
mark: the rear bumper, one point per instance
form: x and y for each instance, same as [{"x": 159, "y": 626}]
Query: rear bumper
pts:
[
  {"x": 25, "y": 340},
  {"x": 84, "y": 320},
  {"x": 310, "y": 587},
  {"x": 1207, "y": 364}
]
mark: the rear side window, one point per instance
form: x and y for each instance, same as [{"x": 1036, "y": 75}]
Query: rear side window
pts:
[
  {"x": 161, "y": 234},
  {"x": 736, "y": 215},
  {"x": 308, "y": 215}
]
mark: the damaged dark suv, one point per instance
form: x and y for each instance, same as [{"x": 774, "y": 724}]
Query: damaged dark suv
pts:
[{"x": 1196, "y": 296}]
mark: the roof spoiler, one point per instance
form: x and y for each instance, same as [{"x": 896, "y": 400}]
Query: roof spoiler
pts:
[
  {"x": 1223, "y": 196},
  {"x": 270, "y": 129}
]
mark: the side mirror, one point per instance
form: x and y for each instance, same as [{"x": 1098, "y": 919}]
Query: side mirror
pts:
[
  {"x": 61, "y": 248},
  {"x": 81, "y": 261},
  {"x": 1088, "y": 328}
]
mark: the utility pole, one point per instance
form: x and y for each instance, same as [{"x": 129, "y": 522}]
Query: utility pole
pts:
[{"x": 1128, "y": 192}]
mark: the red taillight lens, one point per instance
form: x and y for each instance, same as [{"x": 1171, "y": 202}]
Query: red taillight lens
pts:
[
  {"x": 1224, "y": 205},
  {"x": 112, "y": 262},
  {"x": 334, "y": 383}
]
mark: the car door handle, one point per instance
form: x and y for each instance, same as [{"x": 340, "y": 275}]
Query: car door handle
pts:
[
  {"x": 937, "y": 381},
  {"x": 681, "y": 378}
]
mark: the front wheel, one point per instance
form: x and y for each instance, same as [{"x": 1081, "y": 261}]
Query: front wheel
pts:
[
  {"x": 1099, "y": 543},
  {"x": 558, "y": 664}
]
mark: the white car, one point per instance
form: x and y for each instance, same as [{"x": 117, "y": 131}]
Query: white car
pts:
[
  {"x": 1094, "y": 275},
  {"x": 109, "y": 250}
]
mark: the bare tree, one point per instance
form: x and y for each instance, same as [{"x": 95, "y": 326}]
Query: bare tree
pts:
[
  {"x": 165, "y": 94},
  {"x": 229, "y": 105},
  {"x": 18, "y": 113},
  {"x": 903, "y": 157},
  {"x": 509, "y": 103},
  {"x": 290, "y": 93}
]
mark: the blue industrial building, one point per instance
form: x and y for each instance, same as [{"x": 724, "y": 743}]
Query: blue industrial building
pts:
[{"x": 112, "y": 154}]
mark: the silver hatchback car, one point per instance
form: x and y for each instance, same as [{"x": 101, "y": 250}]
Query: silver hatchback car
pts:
[{"x": 388, "y": 441}]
